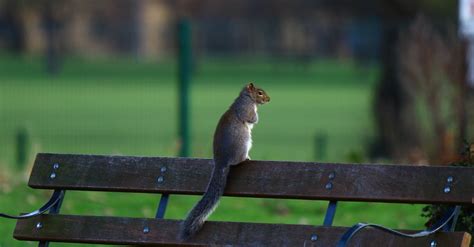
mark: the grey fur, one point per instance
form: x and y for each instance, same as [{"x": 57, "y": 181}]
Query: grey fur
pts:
[
  {"x": 206, "y": 205},
  {"x": 231, "y": 138}
]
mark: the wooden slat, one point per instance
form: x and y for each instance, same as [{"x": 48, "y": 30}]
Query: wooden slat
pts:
[
  {"x": 276, "y": 179},
  {"x": 115, "y": 230}
]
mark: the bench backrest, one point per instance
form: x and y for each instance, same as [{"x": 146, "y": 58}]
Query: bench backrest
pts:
[{"x": 267, "y": 179}]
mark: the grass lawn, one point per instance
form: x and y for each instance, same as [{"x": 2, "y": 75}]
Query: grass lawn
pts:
[{"x": 121, "y": 106}]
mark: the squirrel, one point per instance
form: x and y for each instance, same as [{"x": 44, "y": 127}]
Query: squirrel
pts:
[{"x": 231, "y": 146}]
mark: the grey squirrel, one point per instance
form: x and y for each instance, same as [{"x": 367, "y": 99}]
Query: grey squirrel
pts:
[{"x": 231, "y": 146}]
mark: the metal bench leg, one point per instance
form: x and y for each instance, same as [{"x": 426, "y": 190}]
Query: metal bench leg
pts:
[
  {"x": 451, "y": 225},
  {"x": 54, "y": 210},
  {"x": 160, "y": 213},
  {"x": 330, "y": 213}
]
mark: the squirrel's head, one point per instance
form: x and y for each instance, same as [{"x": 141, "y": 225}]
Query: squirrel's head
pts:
[{"x": 257, "y": 94}]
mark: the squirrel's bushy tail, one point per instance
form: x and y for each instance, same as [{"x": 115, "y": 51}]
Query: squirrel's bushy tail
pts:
[{"x": 206, "y": 205}]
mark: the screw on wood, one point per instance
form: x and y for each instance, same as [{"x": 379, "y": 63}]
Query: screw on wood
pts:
[
  {"x": 447, "y": 189},
  {"x": 328, "y": 186}
]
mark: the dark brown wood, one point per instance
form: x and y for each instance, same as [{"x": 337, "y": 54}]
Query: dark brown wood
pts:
[
  {"x": 275, "y": 179},
  {"x": 115, "y": 230}
]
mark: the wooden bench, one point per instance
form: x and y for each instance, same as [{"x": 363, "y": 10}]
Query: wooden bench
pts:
[{"x": 264, "y": 179}]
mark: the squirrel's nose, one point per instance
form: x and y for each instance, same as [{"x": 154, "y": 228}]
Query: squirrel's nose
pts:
[{"x": 268, "y": 99}]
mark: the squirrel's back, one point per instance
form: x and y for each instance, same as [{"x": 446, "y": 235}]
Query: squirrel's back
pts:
[{"x": 231, "y": 140}]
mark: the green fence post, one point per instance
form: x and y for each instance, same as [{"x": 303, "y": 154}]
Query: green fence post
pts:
[
  {"x": 52, "y": 49},
  {"x": 320, "y": 145},
  {"x": 22, "y": 147},
  {"x": 184, "y": 70}
]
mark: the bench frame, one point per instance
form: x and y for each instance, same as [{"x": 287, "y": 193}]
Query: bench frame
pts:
[{"x": 53, "y": 205}]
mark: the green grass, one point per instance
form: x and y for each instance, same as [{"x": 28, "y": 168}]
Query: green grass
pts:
[{"x": 124, "y": 107}]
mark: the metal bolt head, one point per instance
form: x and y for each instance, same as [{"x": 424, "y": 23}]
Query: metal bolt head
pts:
[
  {"x": 55, "y": 166},
  {"x": 332, "y": 175},
  {"x": 39, "y": 225},
  {"x": 163, "y": 169},
  {"x": 447, "y": 189},
  {"x": 328, "y": 186},
  {"x": 450, "y": 179},
  {"x": 433, "y": 243},
  {"x": 314, "y": 237},
  {"x": 53, "y": 175},
  {"x": 160, "y": 179},
  {"x": 146, "y": 229}
]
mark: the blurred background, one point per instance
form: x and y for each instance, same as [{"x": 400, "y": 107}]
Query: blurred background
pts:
[{"x": 366, "y": 81}]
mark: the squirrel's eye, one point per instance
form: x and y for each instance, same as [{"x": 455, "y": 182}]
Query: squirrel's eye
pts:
[{"x": 260, "y": 93}]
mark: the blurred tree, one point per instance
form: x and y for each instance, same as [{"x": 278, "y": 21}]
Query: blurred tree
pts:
[
  {"x": 431, "y": 71},
  {"x": 420, "y": 110},
  {"x": 52, "y": 23}
]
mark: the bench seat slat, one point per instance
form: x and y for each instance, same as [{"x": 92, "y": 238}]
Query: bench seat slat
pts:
[
  {"x": 115, "y": 230},
  {"x": 274, "y": 179}
]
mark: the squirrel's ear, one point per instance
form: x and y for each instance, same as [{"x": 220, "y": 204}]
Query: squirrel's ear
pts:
[{"x": 250, "y": 87}]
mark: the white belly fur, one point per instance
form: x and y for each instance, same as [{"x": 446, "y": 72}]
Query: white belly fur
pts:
[{"x": 249, "y": 141}]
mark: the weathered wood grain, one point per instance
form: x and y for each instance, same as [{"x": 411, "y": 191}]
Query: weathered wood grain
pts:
[
  {"x": 275, "y": 179},
  {"x": 115, "y": 230}
]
